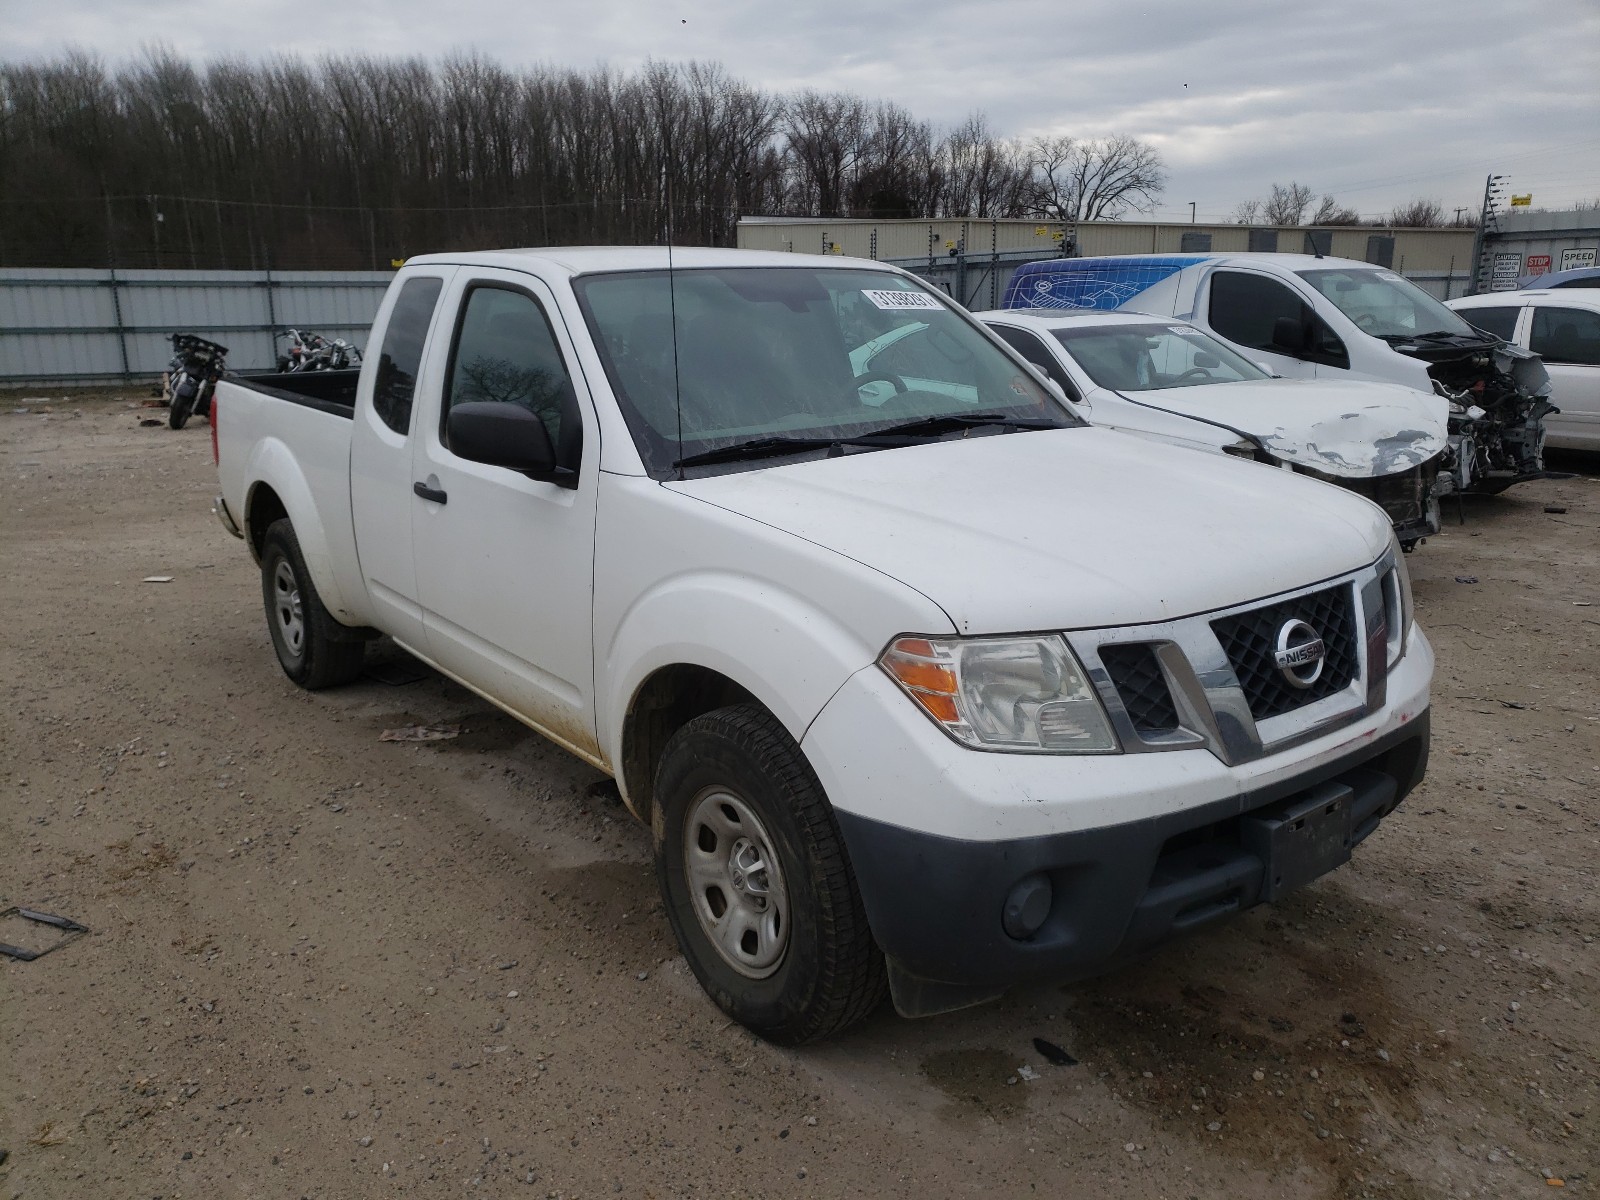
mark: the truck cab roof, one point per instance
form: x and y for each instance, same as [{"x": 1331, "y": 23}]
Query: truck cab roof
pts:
[{"x": 587, "y": 260}]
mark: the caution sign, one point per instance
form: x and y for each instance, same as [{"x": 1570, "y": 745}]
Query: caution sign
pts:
[
  {"x": 1522, "y": 201},
  {"x": 1503, "y": 276}
]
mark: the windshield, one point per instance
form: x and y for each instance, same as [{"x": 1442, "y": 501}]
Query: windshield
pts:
[
  {"x": 735, "y": 354},
  {"x": 1385, "y": 305},
  {"x": 1149, "y": 358}
]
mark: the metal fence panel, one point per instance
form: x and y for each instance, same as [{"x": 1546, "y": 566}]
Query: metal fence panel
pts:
[{"x": 85, "y": 326}]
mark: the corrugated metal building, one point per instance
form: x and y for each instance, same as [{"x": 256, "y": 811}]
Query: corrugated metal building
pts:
[
  {"x": 973, "y": 259},
  {"x": 1536, "y": 243},
  {"x": 1422, "y": 250},
  {"x": 83, "y": 326}
]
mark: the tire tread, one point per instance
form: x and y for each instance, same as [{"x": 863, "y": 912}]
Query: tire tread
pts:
[{"x": 852, "y": 981}]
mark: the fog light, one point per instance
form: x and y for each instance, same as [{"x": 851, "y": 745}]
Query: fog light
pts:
[{"x": 1027, "y": 906}]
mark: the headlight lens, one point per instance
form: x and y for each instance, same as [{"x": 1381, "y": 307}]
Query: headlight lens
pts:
[
  {"x": 1025, "y": 694},
  {"x": 1397, "y": 609}
]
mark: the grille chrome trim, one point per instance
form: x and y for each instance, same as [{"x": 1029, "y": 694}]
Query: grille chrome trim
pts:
[{"x": 1211, "y": 703}]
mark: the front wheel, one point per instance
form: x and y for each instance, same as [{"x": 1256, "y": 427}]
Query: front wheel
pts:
[
  {"x": 183, "y": 390},
  {"x": 314, "y": 650},
  {"x": 756, "y": 880}
]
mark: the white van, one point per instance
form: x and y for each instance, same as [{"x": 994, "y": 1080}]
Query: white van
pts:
[{"x": 1308, "y": 317}]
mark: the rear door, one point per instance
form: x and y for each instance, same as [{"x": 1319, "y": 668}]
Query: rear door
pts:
[
  {"x": 505, "y": 563},
  {"x": 1568, "y": 339},
  {"x": 380, "y": 453}
]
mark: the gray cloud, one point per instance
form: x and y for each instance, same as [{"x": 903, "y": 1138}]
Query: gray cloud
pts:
[{"x": 1372, "y": 100}]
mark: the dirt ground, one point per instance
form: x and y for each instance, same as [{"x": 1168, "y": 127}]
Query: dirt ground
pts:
[{"x": 324, "y": 965}]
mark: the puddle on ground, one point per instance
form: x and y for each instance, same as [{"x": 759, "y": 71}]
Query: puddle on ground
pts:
[{"x": 975, "y": 1077}]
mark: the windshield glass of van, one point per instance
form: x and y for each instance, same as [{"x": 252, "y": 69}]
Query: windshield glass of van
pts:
[
  {"x": 1385, "y": 305},
  {"x": 1149, "y": 358},
  {"x": 733, "y": 355}
]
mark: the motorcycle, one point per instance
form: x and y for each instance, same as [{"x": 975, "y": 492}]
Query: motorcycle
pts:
[
  {"x": 313, "y": 352},
  {"x": 196, "y": 366}
]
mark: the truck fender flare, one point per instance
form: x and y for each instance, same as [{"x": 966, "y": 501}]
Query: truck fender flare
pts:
[
  {"x": 784, "y": 651},
  {"x": 272, "y": 465}
]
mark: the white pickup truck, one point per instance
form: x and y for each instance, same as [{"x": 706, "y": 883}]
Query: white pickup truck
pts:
[{"x": 920, "y": 681}]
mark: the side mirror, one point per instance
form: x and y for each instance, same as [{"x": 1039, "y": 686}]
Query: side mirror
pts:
[
  {"x": 506, "y": 435},
  {"x": 1289, "y": 333},
  {"x": 1051, "y": 385}
]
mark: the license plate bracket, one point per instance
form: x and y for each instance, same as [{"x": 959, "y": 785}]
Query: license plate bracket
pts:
[{"x": 1300, "y": 839}]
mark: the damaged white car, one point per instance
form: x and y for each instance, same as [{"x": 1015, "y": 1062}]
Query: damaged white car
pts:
[{"x": 1167, "y": 380}]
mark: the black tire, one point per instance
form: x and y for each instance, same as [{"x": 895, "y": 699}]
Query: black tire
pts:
[
  {"x": 178, "y": 413},
  {"x": 831, "y": 973},
  {"x": 314, "y": 650}
]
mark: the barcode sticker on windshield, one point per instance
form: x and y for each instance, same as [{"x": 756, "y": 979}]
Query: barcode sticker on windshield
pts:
[{"x": 896, "y": 301}]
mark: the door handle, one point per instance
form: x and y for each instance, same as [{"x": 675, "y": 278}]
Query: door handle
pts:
[{"x": 435, "y": 495}]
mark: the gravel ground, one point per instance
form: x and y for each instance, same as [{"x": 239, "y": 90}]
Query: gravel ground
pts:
[{"x": 324, "y": 965}]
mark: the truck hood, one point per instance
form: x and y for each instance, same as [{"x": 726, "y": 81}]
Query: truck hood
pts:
[
  {"x": 1063, "y": 529},
  {"x": 1349, "y": 430}
]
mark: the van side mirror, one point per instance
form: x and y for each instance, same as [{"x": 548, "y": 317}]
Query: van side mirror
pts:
[
  {"x": 1289, "y": 333},
  {"x": 506, "y": 435}
]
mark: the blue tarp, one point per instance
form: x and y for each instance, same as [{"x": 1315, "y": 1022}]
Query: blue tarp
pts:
[{"x": 1101, "y": 283}]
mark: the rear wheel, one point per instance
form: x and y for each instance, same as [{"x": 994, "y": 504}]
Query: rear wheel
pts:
[
  {"x": 756, "y": 880},
  {"x": 314, "y": 650}
]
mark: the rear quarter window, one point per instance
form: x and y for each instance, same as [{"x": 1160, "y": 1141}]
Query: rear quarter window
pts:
[{"x": 396, "y": 382}]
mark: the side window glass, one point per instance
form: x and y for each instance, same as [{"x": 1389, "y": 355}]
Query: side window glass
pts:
[
  {"x": 1500, "y": 322},
  {"x": 1566, "y": 335},
  {"x": 1035, "y": 351},
  {"x": 396, "y": 381},
  {"x": 1246, "y": 308},
  {"x": 505, "y": 353}
]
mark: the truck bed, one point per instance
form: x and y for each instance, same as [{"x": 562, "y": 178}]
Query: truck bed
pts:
[
  {"x": 327, "y": 391},
  {"x": 295, "y": 429}
]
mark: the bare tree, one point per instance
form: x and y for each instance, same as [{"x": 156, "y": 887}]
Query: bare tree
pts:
[
  {"x": 1287, "y": 204},
  {"x": 1418, "y": 214},
  {"x": 1248, "y": 212},
  {"x": 1093, "y": 179},
  {"x": 1331, "y": 212},
  {"x": 355, "y": 161}
]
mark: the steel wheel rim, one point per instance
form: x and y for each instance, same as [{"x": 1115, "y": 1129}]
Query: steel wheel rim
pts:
[
  {"x": 286, "y": 609},
  {"x": 735, "y": 883}
]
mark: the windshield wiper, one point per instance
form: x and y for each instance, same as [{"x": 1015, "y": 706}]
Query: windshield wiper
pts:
[
  {"x": 757, "y": 448},
  {"x": 880, "y": 439},
  {"x": 934, "y": 426}
]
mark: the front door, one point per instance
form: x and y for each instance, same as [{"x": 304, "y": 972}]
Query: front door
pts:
[
  {"x": 1243, "y": 307},
  {"x": 1569, "y": 341},
  {"x": 504, "y": 562}
]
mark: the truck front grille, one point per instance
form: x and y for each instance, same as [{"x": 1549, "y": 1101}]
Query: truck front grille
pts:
[
  {"x": 1137, "y": 676},
  {"x": 1249, "y": 639}
]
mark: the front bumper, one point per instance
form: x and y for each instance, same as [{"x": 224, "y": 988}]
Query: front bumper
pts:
[
  {"x": 937, "y": 905},
  {"x": 1136, "y": 848}
]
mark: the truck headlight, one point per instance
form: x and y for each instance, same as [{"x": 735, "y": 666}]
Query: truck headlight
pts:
[
  {"x": 1397, "y": 610},
  {"x": 1025, "y": 694}
]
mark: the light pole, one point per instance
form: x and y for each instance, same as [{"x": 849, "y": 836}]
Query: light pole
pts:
[{"x": 1191, "y": 212}]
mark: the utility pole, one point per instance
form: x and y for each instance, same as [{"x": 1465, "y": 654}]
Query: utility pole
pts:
[{"x": 1487, "y": 225}]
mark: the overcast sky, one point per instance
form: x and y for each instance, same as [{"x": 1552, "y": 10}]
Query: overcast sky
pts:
[{"x": 1374, "y": 101}]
